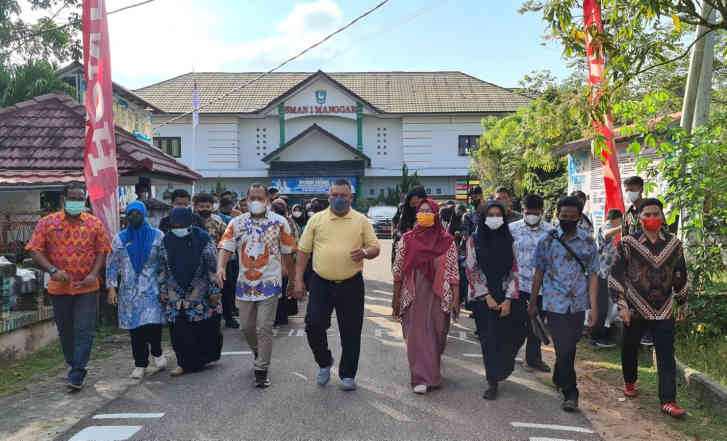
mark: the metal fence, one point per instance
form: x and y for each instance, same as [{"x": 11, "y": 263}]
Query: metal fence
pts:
[{"x": 16, "y": 229}]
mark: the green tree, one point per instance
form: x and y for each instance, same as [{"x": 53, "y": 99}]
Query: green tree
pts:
[
  {"x": 408, "y": 181},
  {"x": 517, "y": 150},
  {"x": 26, "y": 81}
]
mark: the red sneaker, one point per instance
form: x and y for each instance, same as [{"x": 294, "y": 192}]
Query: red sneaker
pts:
[
  {"x": 672, "y": 409},
  {"x": 630, "y": 390}
]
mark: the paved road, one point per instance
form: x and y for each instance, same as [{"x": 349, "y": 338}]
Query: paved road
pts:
[{"x": 221, "y": 402}]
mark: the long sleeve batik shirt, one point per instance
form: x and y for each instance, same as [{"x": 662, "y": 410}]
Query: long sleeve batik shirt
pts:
[{"x": 648, "y": 276}]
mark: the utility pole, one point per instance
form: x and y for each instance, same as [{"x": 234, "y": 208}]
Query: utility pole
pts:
[{"x": 698, "y": 74}]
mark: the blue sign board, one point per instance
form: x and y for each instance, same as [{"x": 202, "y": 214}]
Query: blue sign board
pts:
[{"x": 308, "y": 185}]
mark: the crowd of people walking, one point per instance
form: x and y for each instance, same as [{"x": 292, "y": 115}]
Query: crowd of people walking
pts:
[{"x": 519, "y": 275}]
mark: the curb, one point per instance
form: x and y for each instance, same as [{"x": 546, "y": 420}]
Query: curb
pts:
[{"x": 703, "y": 387}]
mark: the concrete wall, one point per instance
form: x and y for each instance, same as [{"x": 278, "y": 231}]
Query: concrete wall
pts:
[{"x": 22, "y": 342}]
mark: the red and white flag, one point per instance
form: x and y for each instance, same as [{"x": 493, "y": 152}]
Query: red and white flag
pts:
[
  {"x": 596, "y": 67},
  {"x": 100, "y": 170},
  {"x": 195, "y": 105}
]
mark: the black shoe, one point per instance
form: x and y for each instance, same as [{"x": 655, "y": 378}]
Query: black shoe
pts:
[
  {"x": 261, "y": 379},
  {"x": 603, "y": 343},
  {"x": 570, "y": 404},
  {"x": 491, "y": 392},
  {"x": 232, "y": 324},
  {"x": 540, "y": 366}
]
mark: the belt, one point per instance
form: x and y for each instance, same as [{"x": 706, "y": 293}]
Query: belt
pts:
[{"x": 338, "y": 282}]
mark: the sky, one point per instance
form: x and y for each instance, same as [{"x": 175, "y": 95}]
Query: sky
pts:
[{"x": 488, "y": 39}]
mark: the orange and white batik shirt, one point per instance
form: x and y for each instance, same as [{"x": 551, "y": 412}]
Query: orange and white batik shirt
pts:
[{"x": 260, "y": 245}]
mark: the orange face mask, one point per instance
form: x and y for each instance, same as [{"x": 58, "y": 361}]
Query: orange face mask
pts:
[{"x": 425, "y": 219}]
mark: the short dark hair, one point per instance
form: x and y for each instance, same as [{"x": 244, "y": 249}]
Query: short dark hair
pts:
[
  {"x": 570, "y": 201},
  {"x": 258, "y": 185},
  {"x": 649, "y": 202},
  {"x": 451, "y": 202},
  {"x": 272, "y": 190},
  {"x": 475, "y": 190},
  {"x": 579, "y": 194},
  {"x": 203, "y": 197},
  {"x": 226, "y": 193},
  {"x": 532, "y": 202},
  {"x": 180, "y": 193},
  {"x": 342, "y": 182},
  {"x": 503, "y": 189},
  {"x": 74, "y": 186},
  {"x": 461, "y": 207},
  {"x": 613, "y": 214},
  {"x": 634, "y": 180},
  {"x": 225, "y": 202}
]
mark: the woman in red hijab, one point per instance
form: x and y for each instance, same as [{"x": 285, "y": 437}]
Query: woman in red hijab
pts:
[{"x": 426, "y": 279}]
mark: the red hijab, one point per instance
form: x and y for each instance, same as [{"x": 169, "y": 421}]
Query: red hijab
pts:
[{"x": 424, "y": 244}]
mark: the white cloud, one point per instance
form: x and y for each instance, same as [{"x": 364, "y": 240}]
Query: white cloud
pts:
[{"x": 169, "y": 37}]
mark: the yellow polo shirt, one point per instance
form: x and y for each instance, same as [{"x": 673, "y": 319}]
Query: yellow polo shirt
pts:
[{"x": 332, "y": 238}]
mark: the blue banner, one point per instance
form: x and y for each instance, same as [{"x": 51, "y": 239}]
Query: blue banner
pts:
[{"x": 308, "y": 185}]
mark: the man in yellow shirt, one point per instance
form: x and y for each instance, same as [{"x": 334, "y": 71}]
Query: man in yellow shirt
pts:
[{"x": 339, "y": 238}]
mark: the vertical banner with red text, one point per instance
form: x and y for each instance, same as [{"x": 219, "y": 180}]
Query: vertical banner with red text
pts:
[
  {"x": 596, "y": 67},
  {"x": 100, "y": 171}
]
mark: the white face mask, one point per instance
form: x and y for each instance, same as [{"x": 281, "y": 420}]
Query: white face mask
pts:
[
  {"x": 532, "y": 219},
  {"x": 311, "y": 213},
  {"x": 257, "y": 207},
  {"x": 297, "y": 214},
  {"x": 633, "y": 196},
  {"x": 493, "y": 223}
]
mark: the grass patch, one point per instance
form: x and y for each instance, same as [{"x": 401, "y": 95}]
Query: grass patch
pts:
[
  {"x": 16, "y": 375},
  {"x": 708, "y": 356},
  {"x": 701, "y": 422}
]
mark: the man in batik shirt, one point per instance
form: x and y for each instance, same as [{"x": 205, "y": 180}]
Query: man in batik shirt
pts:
[{"x": 649, "y": 276}]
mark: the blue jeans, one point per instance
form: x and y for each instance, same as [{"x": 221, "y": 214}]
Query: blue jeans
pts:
[{"x": 76, "y": 321}]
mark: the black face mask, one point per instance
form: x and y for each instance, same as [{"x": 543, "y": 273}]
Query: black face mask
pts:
[
  {"x": 569, "y": 226},
  {"x": 205, "y": 213},
  {"x": 279, "y": 210},
  {"x": 136, "y": 221}
]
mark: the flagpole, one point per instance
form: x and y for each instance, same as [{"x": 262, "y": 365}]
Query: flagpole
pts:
[{"x": 194, "y": 152}]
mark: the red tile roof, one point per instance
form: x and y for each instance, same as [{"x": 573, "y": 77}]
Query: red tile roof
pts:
[{"x": 42, "y": 142}]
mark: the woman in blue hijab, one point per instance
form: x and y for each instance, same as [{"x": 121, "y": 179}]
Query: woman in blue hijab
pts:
[
  {"x": 190, "y": 292},
  {"x": 134, "y": 267}
]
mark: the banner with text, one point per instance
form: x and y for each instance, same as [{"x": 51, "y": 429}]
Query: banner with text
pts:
[
  {"x": 308, "y": 185},
  {"x": 100, "y": 170}
]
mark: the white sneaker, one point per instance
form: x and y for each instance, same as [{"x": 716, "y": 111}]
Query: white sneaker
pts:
[
  {"x": 420, "y": 389},
  {"x": 160, "y": 362},
  {"x": 137, "y": 373}
]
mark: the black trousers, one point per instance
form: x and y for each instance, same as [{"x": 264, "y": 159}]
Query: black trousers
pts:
[
  {"x": 599, "y": 331},
  {"x": 228, "y": 290},
  {"x": 533, "y": 351},
  {"x": 663, "y": 332},
  {"x": 566, "y": 329},
  {"x": 142, "y": 338},
  {"x": 347, "y": 297}
]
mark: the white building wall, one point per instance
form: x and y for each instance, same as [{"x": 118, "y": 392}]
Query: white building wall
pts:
[
  {"x": 258, "y": 137},
  {"x": 341, "y": 127},
  {"x": 382, "y": 143},
  {"x": 316, "y": 147}
]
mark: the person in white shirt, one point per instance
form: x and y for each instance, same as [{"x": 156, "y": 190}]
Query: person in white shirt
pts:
[{"x": 527, "y": 233}]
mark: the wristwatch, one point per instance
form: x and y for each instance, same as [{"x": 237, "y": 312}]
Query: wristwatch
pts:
[{"x": 52, "y": 270}]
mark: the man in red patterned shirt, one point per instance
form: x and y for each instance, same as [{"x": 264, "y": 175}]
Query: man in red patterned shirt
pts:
[{"x": 72, "y": 245}]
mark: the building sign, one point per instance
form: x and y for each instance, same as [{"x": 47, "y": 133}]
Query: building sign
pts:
[
  {"x": 308, "y": 185},
  {"x": 319, "y": 110},
  {"x": 321, "y": 96},
  {"x": 128, "y": 116}
]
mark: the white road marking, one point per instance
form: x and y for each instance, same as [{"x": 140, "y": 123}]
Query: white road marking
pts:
[
  {"x": 236, "y": 353},
  {"x": 292, "y": 331},
  {"x": 540, "y": 438},
  {"x": 379, "y": 333},
  {"x": 463, "y": 335},
  {"x": 463, "y": 339},
  {"x": 119, "y": 416},
  {"x": 301, "y": 333},
  {"x": 552, "y": 427},
  {"x": 300, "y": 375},
  {"x": 473, "y": 356},
  {"x": 393, "y": 413},
  {"x": 106, "y": 433}
]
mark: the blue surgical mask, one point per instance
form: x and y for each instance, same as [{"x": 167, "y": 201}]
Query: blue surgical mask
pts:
[
  {"x": 74, "y": 208},
  {"x": 181, "y": 232},
  {"x": 340, "y": 204}
]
